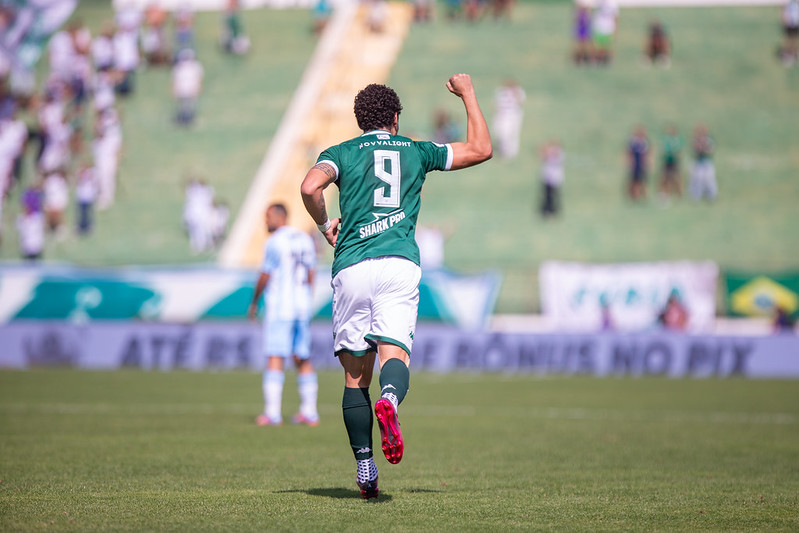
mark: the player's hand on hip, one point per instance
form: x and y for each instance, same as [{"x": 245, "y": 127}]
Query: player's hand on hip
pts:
[
  {"x": 459, "y": 84},
  {"x": 252, "y": 312},
  {"x": 332, "y": 232}
]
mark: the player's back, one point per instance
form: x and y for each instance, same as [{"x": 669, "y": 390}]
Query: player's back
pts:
[
  {"x": 289, "y": 257},
  {"x": 380, "y": 178}
]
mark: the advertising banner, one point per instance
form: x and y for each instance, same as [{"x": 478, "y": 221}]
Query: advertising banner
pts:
[
  {"x": 437, "y": 348},
  {"x": 187, "y": 295},
  {"x": 626, "y": 297}
]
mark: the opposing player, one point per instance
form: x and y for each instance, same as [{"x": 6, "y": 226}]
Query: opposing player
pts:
[
  {"x": 287, "y": 275},
  {"x": 376, "y": 262}
]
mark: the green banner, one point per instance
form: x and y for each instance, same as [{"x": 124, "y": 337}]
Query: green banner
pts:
[{"x": 187, "y": 295}]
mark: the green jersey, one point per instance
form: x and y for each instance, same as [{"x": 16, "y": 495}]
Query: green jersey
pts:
[
  {"x": 380, "y": 179},
  {"x": 672, "y": 144}
]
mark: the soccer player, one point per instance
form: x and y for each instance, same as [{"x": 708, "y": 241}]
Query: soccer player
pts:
[
  {"x": 376, "y": 261},
  {"x": 287, "y": 274}
]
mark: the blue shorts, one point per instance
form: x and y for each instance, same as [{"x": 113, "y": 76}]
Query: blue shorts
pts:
[{"x": 284, "y": 338}]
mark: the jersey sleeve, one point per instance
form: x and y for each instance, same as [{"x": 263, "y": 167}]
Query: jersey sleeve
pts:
[
  {"x": 331, "y": 157},
  {"x": 435, "y": 156}
]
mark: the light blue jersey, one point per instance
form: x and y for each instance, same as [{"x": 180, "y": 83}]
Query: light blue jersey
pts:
[{"x": 289, "y": 256}]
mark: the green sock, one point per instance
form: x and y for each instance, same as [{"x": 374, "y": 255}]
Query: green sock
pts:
[
  {"x": 357, "y": 408},
  {"x": 394, "y": 381}
]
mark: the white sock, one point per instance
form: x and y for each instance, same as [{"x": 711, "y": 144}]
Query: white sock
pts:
[
  {"x": 367, "y": 470},
  {"x": 390, "y": 396},
  {"x": 308, "y": 387},
  {"x": 273, "y": 394}
]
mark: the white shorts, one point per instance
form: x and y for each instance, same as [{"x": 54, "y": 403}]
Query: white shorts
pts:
[
  {"x": 375, "y": 300},
  {"x": 285, "y": 338}
]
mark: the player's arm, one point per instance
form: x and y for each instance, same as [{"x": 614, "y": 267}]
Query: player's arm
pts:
[
  {"x": 477, "y": 147},
  {"x": 312, "y": 189},
  {"x": 260, "y": 285}
]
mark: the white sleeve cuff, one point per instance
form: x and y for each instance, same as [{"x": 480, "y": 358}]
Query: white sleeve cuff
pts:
[
  {"x": 450, "y": 157},
  {"x": 332, "y": 164}
]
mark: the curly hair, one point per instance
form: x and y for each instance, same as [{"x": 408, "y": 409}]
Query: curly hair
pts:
[{"x": 375, "y": 107}]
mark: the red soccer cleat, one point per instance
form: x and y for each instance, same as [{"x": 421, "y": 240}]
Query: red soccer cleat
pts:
[
  {"x": 299, "y": 419},
  {"x": 390, "y": 432},
  {"x": 263, "y": 420}
]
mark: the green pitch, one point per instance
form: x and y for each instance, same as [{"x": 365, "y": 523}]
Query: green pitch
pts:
[
  {"x": 723, "y": 73},
  {"x": 138, "y": 451}
]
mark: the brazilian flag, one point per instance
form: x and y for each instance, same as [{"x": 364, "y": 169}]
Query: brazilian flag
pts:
[{"x": 760, "y": 294}]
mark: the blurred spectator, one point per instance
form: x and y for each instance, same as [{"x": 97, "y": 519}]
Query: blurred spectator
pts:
[
  {"x": 198, "y": 214},
  {"x": 377, "y": 15},
  {"x": 103, "y": 89},
  {"x": 126, "y": 49},
  {"x": 638, "y": 154},
  {"x": 783, "y": 323},
  {"x": 552, "y": 174},
  {"x": 56, "y": 199},
  {"x": 321, "y": 14},
  {"x": 82, "y": 63},
  {"x": 187, "y": 84},
  {"x": 233, "y": 39},
  {"x": 32, "y": 198},
  {"x": 13, "y": 137},
  {"x": 220, "y": 218},
  {"x": 102, "y": 48},
  {"x": 789, "y": 52},
  {"x": 670, "y": 182},
  {"x": 61, "y": 51},
  {"x": 70, "y": 67},
  {"x": 474, "y": 9},
  {"x": 106, "y": 148},
  {"x": 508, "y": 115},
  {"x": 127, "y": 16},
  {"x": 658, "y": 46},
  {"x": 502, "y": 9},
  {"x": 674, "y": 315},
  {"x": 55, "y": 133},
  {"x": 446, "y": 130},
  {"x": 423, "y": 10},
  {"x": 582, "y": 34},
  {"x": 702, "y": 184},
  {"x": 603, "y": 26},
  {"x": 85, "y": 195},
  {"x": 184, "y": 31},
  {"x": 30, "y": 228},
  {"x": 453, "y": 9},
  {"x": 153, "y": 37}
]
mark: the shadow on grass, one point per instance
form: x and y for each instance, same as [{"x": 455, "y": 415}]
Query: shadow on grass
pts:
[{"x": 339, "y": 493}]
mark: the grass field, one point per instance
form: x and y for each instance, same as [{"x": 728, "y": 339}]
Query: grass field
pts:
[
  {"x": 724, "y": 74},
  {"x": 138, "y": 451}
]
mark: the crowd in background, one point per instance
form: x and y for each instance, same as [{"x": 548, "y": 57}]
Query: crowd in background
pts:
[{"x": 71, "y": 127}]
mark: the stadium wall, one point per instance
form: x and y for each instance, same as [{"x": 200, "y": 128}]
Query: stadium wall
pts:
[{"x": 227, "y": 346}]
